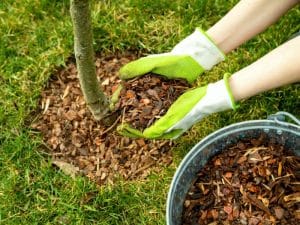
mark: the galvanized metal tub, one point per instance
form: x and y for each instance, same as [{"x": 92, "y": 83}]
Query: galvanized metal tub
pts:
[{"x": 275, "y": 128}]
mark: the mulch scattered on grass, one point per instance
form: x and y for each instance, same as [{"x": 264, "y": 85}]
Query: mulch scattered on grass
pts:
[
  {"x": 79, "y": 144},
  {"x": 254, "y": 182}
]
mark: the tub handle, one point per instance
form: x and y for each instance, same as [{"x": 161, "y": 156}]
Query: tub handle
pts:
[{"x": 280, "y": 116}]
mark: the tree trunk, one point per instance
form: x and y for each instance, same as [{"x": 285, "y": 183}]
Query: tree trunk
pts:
[{"x": 84, "y": 53}]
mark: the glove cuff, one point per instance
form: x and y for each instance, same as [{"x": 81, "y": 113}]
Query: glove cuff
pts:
[
  {"x": 217, "y": 98},
  {"x": 201, "y": 48},
  {"x": 230, "y": 95}
]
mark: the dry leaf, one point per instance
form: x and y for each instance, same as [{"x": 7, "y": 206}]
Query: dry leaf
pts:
[
  {"x": 228, "y": 175},
  {"x": 279, "y": 212},
  {"x": 105, "y": 82},
  {"x": 130, "y": 94},
  {"x": 46, "y": 105},
  {"x": 145, "y": 101},
  {"x": 213, "y": 223},
  {"x": 70, "y": 115},
  {"x": 297, "y": 214},
  {"x": 215, "y": 214},
  {"x": 242, "y": 159},
  {"x": 114, "y": 88},
  {"x": 228, "y": 209},
  {"x": 66, "y": 91},
  {"x": 279, "y": 169},
  {"x": 292, "y": 197},
  {"x": 253, "y": 221},
  {"x": 217, "y": 162},
  {"x": 66, "y": 168}
]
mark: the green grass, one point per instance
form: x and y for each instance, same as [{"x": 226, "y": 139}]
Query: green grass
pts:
[{"x": 36, "y": 37}]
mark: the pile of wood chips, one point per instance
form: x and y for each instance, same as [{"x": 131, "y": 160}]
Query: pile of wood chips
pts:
[
  {"x": 147, "y": 98},
  {"x": 80, "y": 145},
  {"x": 254, "y": 182}
]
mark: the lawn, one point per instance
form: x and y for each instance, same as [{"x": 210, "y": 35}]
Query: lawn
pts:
[{"x": 36, "y": 38}]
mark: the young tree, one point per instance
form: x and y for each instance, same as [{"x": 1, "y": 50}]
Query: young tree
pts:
[{"x": 84, "y": 54}]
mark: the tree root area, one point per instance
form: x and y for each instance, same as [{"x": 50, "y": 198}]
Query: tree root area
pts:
[{"x": 80, "y": 145}]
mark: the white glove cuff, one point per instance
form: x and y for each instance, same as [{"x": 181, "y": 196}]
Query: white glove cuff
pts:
[
  {"x": 216, "y": 99},
  {"x": 201, "y": 48}
]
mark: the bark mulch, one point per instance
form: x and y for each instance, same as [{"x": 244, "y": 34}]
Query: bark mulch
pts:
[
  {"x": 80, "y": 145},
  {"x": 254, "y": 182},
  {"x": 147, "y": 98}
]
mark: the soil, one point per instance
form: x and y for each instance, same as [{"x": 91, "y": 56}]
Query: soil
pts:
[
  {"x": 79, "y": 143},
  {"x": 254, "y": 182}
]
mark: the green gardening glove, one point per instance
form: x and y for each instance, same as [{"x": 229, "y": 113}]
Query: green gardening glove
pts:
[
  {"x": 188, "y": 109},
  {"x": 187, "y": 60}
]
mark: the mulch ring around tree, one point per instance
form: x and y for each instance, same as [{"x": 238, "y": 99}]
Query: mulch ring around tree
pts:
[
  {"x": 80, "y": 145},
  {"x": 254, "y": 182}
]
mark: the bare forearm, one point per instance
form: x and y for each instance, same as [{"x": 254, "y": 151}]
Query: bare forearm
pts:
[
  {"x": 245, "y": 20},
  {"x": 277, "y": 68}
]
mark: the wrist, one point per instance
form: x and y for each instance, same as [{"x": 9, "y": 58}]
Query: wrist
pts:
[
  {"x": 213, "y": 41},
  {"x": 220, "y": 40}
]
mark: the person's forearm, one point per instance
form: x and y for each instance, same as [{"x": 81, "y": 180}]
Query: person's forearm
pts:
[
  {"x": 245, "y": 20},
  {"x": 279, "y": 67}
]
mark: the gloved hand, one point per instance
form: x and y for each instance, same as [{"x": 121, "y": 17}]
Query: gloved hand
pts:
[
  {"x": 188, "y": 59},
  {"x": 188, "y": 109}
]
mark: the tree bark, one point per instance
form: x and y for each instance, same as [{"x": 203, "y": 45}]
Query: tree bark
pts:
[{"x": 84, "y": 54}]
